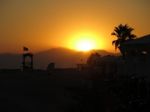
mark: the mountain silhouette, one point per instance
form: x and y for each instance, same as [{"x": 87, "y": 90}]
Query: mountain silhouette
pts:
[{"x": 62, "y": 57}]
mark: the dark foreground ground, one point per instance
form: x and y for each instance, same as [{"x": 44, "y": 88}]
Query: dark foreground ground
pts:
[
  {"x": 69, "y": 92},
  {"x": 39, "y": 91}
]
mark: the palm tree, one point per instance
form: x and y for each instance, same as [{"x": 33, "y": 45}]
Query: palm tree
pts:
[{"x": 123, "y": 34}]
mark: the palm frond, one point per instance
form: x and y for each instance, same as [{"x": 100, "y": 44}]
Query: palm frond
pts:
[
  {"x": 113, "y": 42},
  {"x": 123, "y": 33},
  {"x": 113, "y": 33}
]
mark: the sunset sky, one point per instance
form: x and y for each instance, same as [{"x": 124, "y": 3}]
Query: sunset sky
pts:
[{"x": 43, "y": 24}]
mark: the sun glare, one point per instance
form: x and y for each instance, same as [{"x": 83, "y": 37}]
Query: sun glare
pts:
[
  {"x": 85, "y": 42},
  {"x": 84, "y": 45}
]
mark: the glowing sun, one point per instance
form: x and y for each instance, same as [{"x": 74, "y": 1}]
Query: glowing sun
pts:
[
  {"x": 85, "y": 41},
  {"x": 84, "y": 45}
]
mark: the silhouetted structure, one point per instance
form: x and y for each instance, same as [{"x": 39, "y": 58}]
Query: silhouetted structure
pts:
[
  {"x": 27, "y": 60},
  {"x": 136, "y": 57},
  {"x": 103, "y": 66},
  {"x": 137, "y": 48}
]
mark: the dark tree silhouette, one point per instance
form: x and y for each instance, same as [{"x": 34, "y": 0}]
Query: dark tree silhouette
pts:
[{"x": 123, "y": 33}]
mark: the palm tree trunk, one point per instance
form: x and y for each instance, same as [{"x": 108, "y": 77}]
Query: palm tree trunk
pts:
[{"x": 122, "y": 51}]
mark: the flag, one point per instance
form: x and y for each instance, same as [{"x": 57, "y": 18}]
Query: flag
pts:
[{"x": 25, "y": 49}]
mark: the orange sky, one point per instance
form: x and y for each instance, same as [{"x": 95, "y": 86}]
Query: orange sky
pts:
[{"x": 42, "y": 24}]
